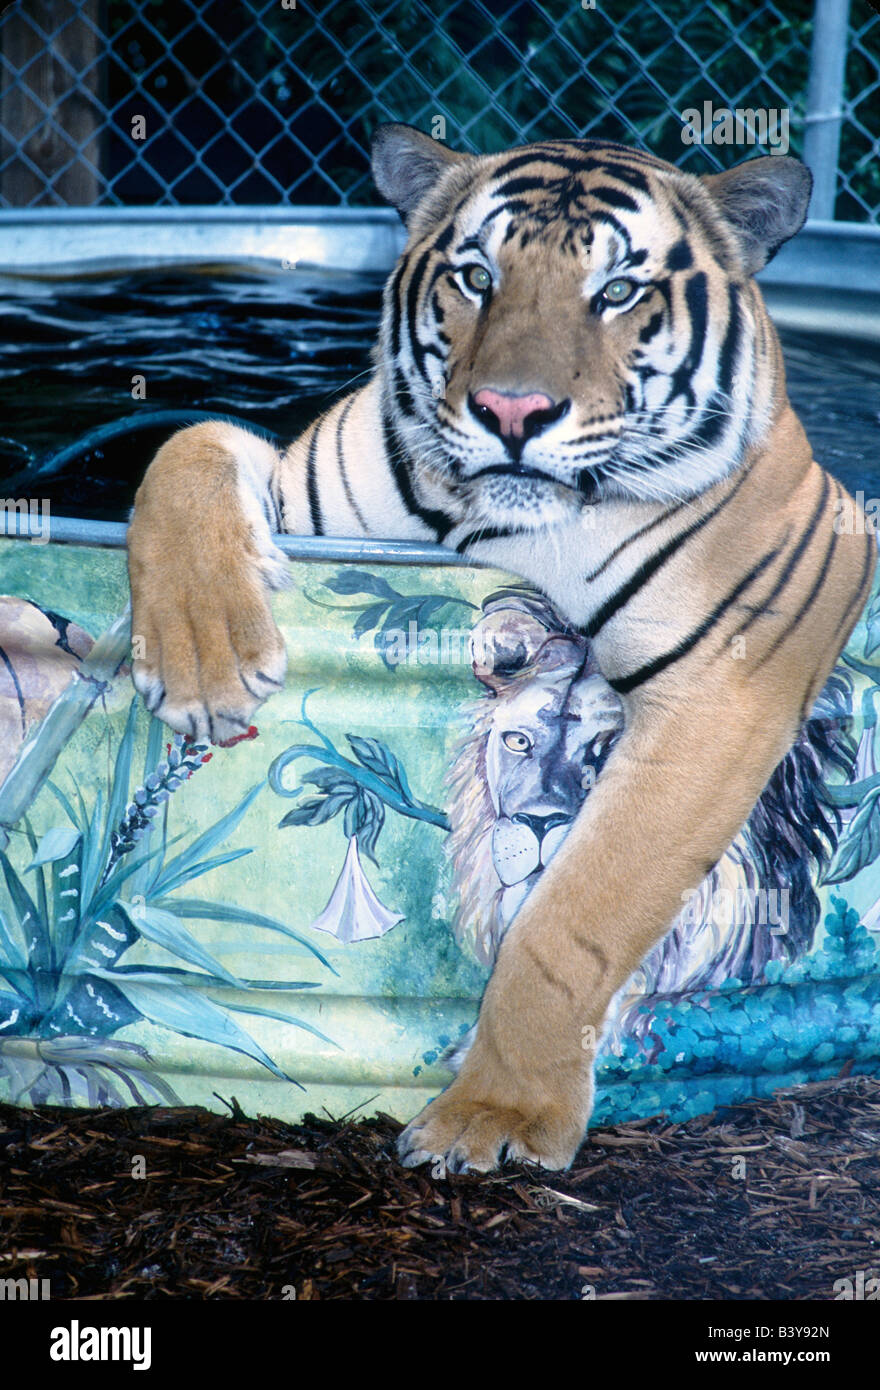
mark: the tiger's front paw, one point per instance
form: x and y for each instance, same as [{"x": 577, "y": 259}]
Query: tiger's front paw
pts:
[
  {"x": 205, "y": 661},
  {"x": 468, "y": 1134},
  {"x": 205, "y": 648}
]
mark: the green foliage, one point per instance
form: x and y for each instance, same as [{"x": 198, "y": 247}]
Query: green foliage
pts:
[
  {"x": 397, "y": 617},
  {"x": 811, "y": 1017},
  {"x": 872, "y": 625},
  {"x": 65, "y": 986}
]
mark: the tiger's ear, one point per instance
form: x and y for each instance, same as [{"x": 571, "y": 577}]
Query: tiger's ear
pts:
[
  {"x": 407, "y": 164},
  {"x": 765, "y": 201}
]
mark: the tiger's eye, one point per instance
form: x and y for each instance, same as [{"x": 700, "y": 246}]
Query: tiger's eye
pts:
[
  {"x": 618, "y": 291},
  {"x": 516, "y": 742},
  {"x": 477, "y": 277}
]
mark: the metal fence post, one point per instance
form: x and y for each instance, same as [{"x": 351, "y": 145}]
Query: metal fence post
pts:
[{"x": 825, "y": 102}]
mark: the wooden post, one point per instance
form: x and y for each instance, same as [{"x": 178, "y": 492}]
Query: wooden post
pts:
[{"x": 51, "y": 115}]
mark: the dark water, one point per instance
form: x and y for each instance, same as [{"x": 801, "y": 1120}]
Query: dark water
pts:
[{"x": 272, "y": 351}]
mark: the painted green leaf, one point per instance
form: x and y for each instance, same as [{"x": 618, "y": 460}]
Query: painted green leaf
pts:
[
  {"x": 39, "y": 876},
  {"x": 33, "y": 927},
  {"x": 11, "y": 953},
  {"x": 178, "y": 870},
  {"x": 93, "y": 839},
  {"x": 360, "y": 582},
  {"x": 872, "y": 625},
  {"x": 164, "y": 929},
  {"x": 189, "y": 1012},
  {"x": 224, "y": 912},
  {"x": 110, "y": 890},
  {"x": 157, "y": 974},
  {"x": 316, "y": 810},
  {"x": 860, "y": 844},
  {"x": 196, "y": 870},
  {"x": 55, "y": 844},
  {"x": 284, "y": 1018},
  {"x": 64, "y": 802},
  {"x": 121, "y": 777},
  {"x": 368, "y": 619},
  {"x": 377, "y": 758}
]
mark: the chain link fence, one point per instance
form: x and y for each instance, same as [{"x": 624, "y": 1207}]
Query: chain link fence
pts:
[{"x": 183, "y": 102}]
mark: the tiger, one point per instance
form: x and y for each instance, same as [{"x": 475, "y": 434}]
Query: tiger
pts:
[{"x": 576, "y": 380}]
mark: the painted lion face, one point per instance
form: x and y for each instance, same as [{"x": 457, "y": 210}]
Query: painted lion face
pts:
[
  {"x": 539, "y": 742},
  {"x": 547, "y": 744}
]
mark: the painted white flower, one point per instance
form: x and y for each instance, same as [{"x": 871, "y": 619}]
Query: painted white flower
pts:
[{"x": 354, "y": 913}]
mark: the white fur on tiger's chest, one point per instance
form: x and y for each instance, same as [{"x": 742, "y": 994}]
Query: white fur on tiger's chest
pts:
[{"x": 584, "y": 563}]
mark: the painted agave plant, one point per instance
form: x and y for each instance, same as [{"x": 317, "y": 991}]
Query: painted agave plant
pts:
[{"x": 77, "y": 899}]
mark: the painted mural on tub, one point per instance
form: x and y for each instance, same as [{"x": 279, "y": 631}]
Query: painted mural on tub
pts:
[{"x": 320, "y": 905}]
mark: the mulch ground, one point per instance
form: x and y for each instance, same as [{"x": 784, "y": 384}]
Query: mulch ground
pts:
[{"x": 774, "y": 1199}]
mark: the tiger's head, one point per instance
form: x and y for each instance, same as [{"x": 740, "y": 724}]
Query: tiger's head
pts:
[{"x": 575, "y": 321}]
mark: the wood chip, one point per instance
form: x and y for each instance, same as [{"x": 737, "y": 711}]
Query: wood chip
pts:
[
  {"x": 287, "y": 1158},
  {"x": 245, "y": 1209}
]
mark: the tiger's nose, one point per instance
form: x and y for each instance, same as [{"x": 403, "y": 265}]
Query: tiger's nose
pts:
[{"x": 515, "y": 417}]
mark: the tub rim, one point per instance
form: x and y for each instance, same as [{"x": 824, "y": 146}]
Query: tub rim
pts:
[{"x": 71, "y": 530}]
